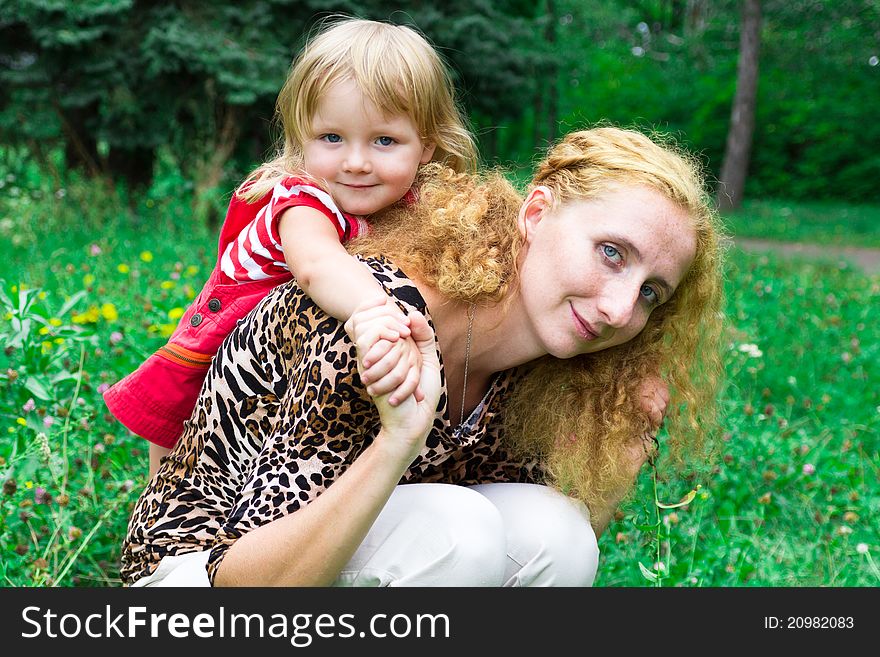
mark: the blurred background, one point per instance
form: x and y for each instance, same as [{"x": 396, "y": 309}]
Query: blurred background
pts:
[{"x": 125, "y": 125}]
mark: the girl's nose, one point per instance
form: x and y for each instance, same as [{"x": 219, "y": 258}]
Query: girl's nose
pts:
[{"x": 356, "y": 161}]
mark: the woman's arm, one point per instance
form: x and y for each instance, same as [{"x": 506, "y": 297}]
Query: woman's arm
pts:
[{"x": 310, "y": 546}]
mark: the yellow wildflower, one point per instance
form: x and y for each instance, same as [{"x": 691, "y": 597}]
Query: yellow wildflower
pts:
[
  {"x": 90, "y": 316},
  {"x": 147, "y": 256},
  {"x": 175, "y": 313},
  {"x": 123, "y": 268},
  {"x": 55, "y": 321},
  {"x": 167, "y": 285},
  {"x": 108, "y": 310},
  {"x": 88, "y": 279},
  {"x": 43, "y": 330},
  {"x": 21, "y": 421}
]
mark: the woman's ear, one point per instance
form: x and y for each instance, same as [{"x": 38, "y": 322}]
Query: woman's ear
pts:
[
  {"x": 427, "y": 152},
  {"x": 533, "y": 209}
]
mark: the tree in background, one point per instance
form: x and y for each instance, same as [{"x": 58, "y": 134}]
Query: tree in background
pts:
[{"x": 732, "y": 181}]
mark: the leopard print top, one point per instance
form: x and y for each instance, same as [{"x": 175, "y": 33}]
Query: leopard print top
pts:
[{"x": 280, "y": 417}]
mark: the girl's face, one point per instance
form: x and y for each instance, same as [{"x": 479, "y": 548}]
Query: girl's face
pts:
[
  {"x": 593, "y": 270},
  {"x": 369, "y": 160}
]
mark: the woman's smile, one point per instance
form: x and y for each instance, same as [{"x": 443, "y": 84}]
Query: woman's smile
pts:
[{"x": 583, "y": 327}]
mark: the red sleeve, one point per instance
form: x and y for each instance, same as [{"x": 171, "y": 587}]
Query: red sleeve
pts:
[{"x": 304, "y": 200}]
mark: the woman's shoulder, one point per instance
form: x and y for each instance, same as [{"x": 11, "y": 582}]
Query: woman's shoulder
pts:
[{"x": 395, "y": 282}]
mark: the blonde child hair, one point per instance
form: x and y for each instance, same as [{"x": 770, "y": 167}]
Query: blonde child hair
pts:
[
  {"x": 394, "y": 66},
  {"x": 579, "y": 416}
]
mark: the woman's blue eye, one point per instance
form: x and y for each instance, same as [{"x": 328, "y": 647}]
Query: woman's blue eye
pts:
[
  {"x": 385, "y": 141},
  {"x": 650, "y": 293},
  {"x": 332, "y": 137},
  {"x": 611, "y": 253}
]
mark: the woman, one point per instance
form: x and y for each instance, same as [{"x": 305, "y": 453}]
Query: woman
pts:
[{"x": 555, "y": 316}]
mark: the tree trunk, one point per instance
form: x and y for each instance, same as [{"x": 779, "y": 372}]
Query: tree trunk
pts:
[
  {"x": 134, "y": 165},
  {"x": 742, "y": 117}
]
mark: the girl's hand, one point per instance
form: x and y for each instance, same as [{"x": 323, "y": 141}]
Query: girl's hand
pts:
[
  {"x": 391, "y": 358},
  {"x": 406, "y": 424},
  {"x": 393, "y": 367}
]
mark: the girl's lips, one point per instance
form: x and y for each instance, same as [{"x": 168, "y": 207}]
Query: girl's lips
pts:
[{"x": 582, "y": 326}]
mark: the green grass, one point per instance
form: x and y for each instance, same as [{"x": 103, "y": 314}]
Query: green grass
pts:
[
  {"x": 828, "y": 223},
  {"x": 787, "y": 502}
]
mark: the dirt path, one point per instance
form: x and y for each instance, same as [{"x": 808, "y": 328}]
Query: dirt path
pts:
[{"x": 868, "y": 260}]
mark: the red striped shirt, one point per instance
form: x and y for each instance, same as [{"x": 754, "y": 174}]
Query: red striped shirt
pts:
[{"x": 250, "y": 245}]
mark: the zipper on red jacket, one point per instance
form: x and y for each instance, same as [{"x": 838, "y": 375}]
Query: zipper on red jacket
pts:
[{"x": 185, "y": 357}]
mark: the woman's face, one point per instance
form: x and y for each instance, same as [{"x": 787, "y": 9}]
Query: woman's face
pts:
[{"x": 593, "y": 270}]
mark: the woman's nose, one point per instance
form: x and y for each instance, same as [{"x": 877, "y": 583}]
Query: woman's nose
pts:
[{"x": 617, "y": 304}]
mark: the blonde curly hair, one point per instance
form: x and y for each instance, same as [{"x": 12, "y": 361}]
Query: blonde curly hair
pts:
[{"x": 578, "y": 416}]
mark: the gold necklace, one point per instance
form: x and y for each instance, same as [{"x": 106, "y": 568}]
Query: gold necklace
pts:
[{"x": 467, "y": 357}]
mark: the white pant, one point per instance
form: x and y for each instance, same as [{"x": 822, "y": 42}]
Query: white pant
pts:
[{"x": 445, "y": 535}]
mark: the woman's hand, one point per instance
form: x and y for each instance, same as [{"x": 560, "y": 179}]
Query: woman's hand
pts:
[
  {"x": 406, "y": 423},
  {"x": 654, "y": 398}
]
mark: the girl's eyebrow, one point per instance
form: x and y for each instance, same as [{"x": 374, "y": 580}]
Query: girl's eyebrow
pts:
[{"x": 629, "y": 246}]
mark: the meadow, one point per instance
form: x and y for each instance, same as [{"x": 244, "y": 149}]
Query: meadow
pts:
[{"x": 91, "y": 283}]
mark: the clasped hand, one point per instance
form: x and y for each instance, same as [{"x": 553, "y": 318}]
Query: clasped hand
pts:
[{"x": 398, "y": 364}]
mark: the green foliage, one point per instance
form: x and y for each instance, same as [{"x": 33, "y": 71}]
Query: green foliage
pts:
[
  {"x": 822, "y": 222},
  {"x": 117, "y": 81}
]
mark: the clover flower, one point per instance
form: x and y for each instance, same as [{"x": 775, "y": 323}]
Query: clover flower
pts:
[{"x": 751, "y": 350}]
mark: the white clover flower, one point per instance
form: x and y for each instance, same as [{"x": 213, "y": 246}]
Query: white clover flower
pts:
[
  {"x": 751, "y": 350},
  {"x": 43, "y": 444},
  {"x": 862, "y": 548}
]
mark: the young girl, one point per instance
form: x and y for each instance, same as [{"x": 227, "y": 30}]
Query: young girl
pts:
[{"x": 365, "y": 104}]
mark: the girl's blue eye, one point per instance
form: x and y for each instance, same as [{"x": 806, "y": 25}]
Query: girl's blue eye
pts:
[
  {"x": 650, "y": 294},
  {"x": 385, "y": 141},
  {"x": 611, "y": 253},
  {"x": 332, "y": 137}
]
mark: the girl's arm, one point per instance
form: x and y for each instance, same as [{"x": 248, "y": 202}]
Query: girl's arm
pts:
[
  {"x": 339, "y": 284},
  {"x": 311, "y": 546},
  {"x": 321, "y": 265}
]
